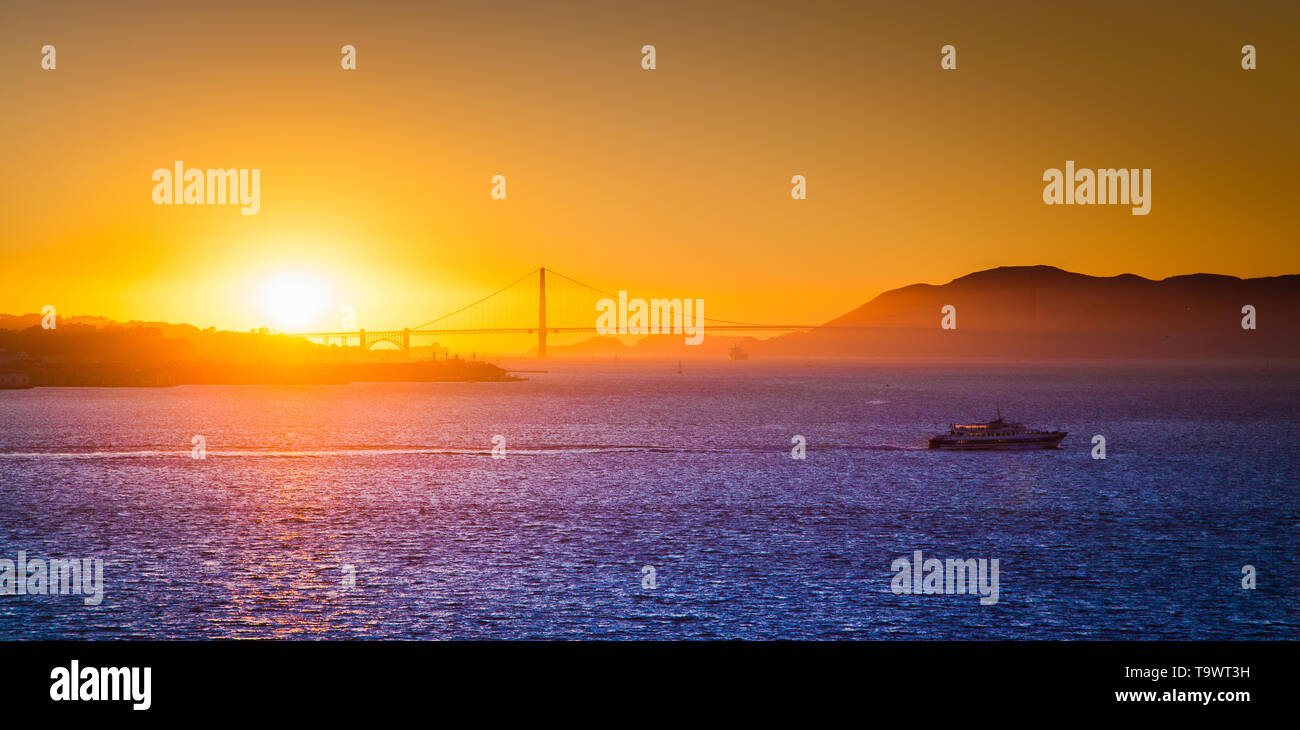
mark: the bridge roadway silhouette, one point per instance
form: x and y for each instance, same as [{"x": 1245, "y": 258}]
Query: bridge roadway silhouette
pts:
[{"x": 470, "y": 319}]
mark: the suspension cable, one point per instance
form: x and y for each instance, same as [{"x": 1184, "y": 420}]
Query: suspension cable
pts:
[{"x": 484, "y": 299}]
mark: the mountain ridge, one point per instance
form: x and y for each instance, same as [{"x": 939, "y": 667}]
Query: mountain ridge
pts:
[{"x": 1038, "y": 311}]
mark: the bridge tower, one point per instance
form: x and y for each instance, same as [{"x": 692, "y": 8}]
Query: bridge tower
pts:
[{"x": 541, "y": 312}]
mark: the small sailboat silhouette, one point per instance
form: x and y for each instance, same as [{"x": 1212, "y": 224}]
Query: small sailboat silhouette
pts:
[{"x": 679, "y": 367}]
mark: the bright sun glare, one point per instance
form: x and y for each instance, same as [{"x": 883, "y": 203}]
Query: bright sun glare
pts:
[{"x": 293, "y": 300}]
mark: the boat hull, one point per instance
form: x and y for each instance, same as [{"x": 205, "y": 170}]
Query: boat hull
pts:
[{"x": 998, "y": 443}]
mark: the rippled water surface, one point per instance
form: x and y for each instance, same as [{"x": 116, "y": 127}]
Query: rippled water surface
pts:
[{"x": 611, "y": 468}]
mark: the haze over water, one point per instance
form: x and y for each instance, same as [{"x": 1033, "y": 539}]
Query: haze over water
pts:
[{"x": 616, "y": 466}]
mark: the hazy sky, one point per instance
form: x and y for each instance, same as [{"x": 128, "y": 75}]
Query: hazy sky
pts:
[{"x": 671, "y": 182}]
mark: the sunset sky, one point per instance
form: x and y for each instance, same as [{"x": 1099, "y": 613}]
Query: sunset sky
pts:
[{"x": 671, "y": 182}]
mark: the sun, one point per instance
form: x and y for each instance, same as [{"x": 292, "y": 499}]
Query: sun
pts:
[{"x": 292, "y": 300}]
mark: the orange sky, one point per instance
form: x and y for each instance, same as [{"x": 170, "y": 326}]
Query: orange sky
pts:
[{"x": 672, "y": 182}]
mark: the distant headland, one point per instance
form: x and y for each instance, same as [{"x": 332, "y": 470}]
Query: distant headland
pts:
[{"x": 93, "y": 351}]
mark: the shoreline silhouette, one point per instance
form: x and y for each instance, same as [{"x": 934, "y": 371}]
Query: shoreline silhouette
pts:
[{"x": 1017, "y": 312}]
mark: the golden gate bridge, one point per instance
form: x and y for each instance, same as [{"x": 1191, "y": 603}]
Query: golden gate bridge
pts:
[{"x": 564, "y": 306}]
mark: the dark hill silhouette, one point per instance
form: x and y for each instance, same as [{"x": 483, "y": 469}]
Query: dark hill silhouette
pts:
[{"x": 1045, "y": 312}]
